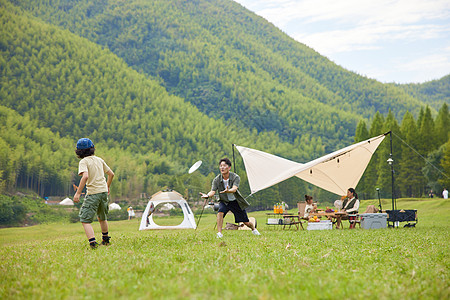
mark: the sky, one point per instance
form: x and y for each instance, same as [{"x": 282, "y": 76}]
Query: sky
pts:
[{"x": 401, "y": 41}]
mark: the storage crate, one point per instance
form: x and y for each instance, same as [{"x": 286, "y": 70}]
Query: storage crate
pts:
[
  {"x": 322, "y": 225},
  {"x": 373, "y": 221}
]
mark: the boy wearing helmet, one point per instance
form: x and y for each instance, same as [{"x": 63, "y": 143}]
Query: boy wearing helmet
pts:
[{"x": 91, "y": 169}]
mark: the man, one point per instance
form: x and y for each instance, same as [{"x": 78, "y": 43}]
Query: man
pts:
[
  {"x": 227, "y": 183},
  {"x": 445, "y": 194}
]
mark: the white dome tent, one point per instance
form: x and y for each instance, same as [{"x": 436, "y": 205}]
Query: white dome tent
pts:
[
  {"x": 165, "y": 198},
  {"x": 114, "y": 206},
  {"x": 167, "y": 206},
  {"x": 66, "y": 201}
]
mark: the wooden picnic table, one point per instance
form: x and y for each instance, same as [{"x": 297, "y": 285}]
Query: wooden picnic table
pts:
[{"x": 287, "y": 220}]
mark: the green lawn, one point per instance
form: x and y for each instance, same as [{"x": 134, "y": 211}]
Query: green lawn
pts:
[{"x": 54, "y": 261}]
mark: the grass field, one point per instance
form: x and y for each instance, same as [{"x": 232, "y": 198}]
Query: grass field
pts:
[{"x": 54, "y": 261}]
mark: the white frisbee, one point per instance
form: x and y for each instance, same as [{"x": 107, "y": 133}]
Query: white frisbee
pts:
[{"x": 195, "y": 167}]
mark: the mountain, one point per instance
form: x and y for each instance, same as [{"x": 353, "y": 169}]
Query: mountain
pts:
[
  {"x": 231, "y": 64},
  {"x": 160, "y": 84},
  {"x": 69, "y": 87},
  {"x": 433, "y": 93}
]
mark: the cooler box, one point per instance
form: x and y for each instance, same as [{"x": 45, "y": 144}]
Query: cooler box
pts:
[
  {"x": 274, "y": 221},
  {"x": 373, "y": 221},
  {"x": 322, "y": 225}
]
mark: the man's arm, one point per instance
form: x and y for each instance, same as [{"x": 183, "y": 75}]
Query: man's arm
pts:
[
  {"x": 232, "y": 190},
  {"x": 110, "y": 178},
  {"x": 208, "y": 195},
  {"x": 83, "y": 180}
]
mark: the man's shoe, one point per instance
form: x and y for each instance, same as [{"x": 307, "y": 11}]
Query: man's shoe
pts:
[
  {"x": 105, "y": 241},
  {"x": 256, "y": 232},
  {"x": 93, "y": 245},
  {"x": 219, "y": 235}
]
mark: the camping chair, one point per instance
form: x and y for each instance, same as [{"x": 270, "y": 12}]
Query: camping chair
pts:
[
  {"x": 357, "y": 220},
  {"x": 301, "y": 210},
  {"x": 301, "y": 213}
]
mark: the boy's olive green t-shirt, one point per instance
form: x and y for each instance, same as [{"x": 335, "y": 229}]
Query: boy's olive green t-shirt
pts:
[{"x": 96, "y": 168}]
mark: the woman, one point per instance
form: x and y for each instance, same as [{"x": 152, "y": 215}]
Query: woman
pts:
[{"x": 351, "y": 206}]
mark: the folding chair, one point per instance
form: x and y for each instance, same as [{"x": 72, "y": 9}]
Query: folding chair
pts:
[
  {"x": 357, "y": 220},
  {"x": 301, "y": 214}
]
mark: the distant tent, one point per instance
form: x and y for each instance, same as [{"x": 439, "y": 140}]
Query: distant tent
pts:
[
  {"x": 167, "y": 198},
  {"x": 66, "y": 201},
  {"x": 167, "y": 206},
  {"x": 114, "y": 206},
  {"x": 334, "y": 172}
]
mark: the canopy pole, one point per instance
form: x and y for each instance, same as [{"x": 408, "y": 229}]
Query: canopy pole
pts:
[
  {"x": 234, "y": 162},
  {"x": 391, "y": 162}
]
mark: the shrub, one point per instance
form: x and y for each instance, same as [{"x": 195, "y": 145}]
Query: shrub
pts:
[
  {"x": 116, "y": 215},
  {"x": 12, "y": 213}
]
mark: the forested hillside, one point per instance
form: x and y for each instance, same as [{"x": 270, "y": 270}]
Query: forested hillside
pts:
[
  {"x": 434, "y": 92},
  {"x": 74, "y": 88},
  {"x": 231, "y": 64},
  {"x": 158, "y": 85}
]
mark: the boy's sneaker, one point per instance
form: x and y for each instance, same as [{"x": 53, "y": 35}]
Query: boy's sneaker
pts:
[
  {"x": 105, "y": 241},
  {"x": 256, "y": 232},
  {"x": 219, "y": 235},
  {"x": 93, "y": 245}
]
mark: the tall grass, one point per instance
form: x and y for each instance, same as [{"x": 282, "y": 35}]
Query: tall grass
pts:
[{"x": 54, "y": 261}]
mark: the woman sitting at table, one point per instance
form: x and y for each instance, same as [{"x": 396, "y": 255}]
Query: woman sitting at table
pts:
[
  {"x": 310, "y": 207},
  {"x": 351, "y": 206}
]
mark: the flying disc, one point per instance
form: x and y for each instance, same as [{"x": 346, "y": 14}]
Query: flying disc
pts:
[{"x": 195, "y": 167}]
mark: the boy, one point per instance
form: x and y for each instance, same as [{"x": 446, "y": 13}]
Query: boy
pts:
[{"x": 91, "y": 169}]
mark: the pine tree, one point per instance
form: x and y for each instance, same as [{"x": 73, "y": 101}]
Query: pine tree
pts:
[
  {"x": 361, "y": 132},
  {"x": 410, "y": 179},
  {"x": 427, "y": 135},
  {"x": 368, "y": 182},
  {"x": 445, "y": 164},
  {"x": 442, "y": 125},
  {"x": 384, "y": 170}
]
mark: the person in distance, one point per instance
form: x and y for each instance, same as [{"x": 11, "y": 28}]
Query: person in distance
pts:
[
  {"x": 310, "y": 207},
  {"x": 351, "y": 207}
]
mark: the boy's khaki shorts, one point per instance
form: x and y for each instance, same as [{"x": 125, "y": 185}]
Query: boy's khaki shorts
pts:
[{"x": 92, "y": 205}]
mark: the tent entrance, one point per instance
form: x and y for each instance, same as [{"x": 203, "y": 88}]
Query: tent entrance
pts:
[
  {"x": 166, "y": 200},
  {"x": 168, "y": 214}
]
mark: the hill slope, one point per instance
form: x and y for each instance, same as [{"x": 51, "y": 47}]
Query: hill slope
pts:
[
  {"x": 434, "y": 93},
  {"x": 75, "y": 88},
  {"x": 231, "y": 64}
]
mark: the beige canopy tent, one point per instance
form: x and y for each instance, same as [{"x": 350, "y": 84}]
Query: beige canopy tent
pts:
[{"x": 334, "y": 172}]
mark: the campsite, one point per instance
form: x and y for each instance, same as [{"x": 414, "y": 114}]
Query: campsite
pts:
[
  {"x": 53, "y": 261},
  {"x": 128, "y": 128}
]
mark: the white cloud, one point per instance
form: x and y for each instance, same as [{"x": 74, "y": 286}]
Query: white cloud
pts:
[
  {"x": 368, "y": 37},
  {"x": 393, "y": 29}
]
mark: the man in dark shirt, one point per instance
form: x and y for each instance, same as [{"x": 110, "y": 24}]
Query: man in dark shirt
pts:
[{"x": 227, "y": 183}]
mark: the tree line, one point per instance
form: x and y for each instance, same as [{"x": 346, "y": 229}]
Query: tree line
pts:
[{"x": 420, "y": 150}]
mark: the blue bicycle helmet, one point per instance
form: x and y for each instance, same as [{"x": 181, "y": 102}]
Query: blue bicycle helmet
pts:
[{"x": 84, "y": 143}]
